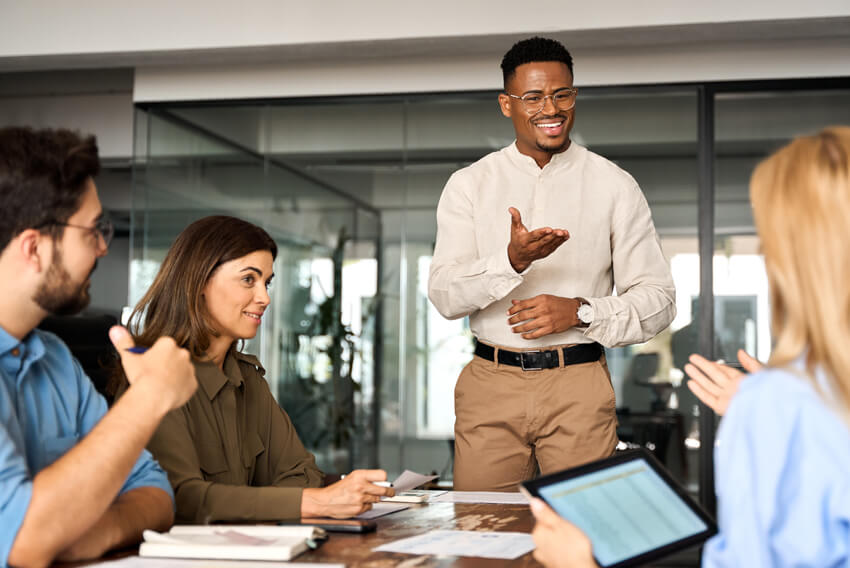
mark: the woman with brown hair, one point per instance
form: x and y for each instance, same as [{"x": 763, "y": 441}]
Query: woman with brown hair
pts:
[
  {"x": 231, "y": 452},
  {"x": 781, "y": 459}
]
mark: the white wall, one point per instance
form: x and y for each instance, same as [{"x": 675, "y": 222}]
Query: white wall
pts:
[
  {"x": 780, "y": 59},
  {"x": 46, "y": 27}
]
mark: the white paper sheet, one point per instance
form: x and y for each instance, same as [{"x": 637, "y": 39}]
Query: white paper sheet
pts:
[
  {"x": 381, "y": 509},
  {"x": 507, "y": 545},
  {"x": 481, "y": 497},
  {"x": 139, "y": 562},
  {"x": 410, "y": 479}
]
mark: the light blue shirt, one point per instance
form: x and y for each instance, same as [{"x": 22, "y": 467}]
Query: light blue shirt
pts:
[
  {"x": 47, "y": 405},
  {"x": 782, "y": 465}
]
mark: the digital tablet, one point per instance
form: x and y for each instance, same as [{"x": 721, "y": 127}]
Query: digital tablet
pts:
[{"x": 628, "y": 505}]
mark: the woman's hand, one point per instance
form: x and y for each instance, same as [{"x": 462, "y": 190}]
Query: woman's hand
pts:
[
  {"x": 560, "y": 544},
  {"x": 714, "y": 383},
  {"x": 352, "y": 495}
]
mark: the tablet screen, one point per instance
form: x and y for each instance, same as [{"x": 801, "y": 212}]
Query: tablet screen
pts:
[{"x": 626, "y": 509}]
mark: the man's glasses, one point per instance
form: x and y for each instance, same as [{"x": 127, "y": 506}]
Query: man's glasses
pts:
[
  {"x": 562, "y": 99},
  {"x": 103, "y": 228}
]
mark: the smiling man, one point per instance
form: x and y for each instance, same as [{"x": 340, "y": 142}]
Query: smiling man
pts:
[
  {"x": 538, "y": 392},
  {"x": 75, "y": 480}
]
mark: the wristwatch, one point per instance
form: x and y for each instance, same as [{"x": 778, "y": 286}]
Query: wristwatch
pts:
[{"x": 584, "y": 312}]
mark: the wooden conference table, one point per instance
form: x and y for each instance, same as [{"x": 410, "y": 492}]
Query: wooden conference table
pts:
[{"x": 356, "y": 550}]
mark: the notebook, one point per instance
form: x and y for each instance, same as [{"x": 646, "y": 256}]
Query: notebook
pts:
[
  {"x": 230, "y": 542},
  {"x": 628, "y": 505}
]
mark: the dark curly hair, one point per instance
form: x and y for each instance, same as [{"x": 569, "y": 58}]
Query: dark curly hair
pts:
[
  {"x": 534, "y": 49},
  {"x": 42, "y": 178}
]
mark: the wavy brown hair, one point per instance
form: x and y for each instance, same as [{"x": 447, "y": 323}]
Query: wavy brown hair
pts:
[{"x": 174, "y": 306}]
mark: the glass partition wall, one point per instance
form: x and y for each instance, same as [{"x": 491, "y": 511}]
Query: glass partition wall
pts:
[
  {"x": 316, "y": 341},
  {"x": 349, "y": 187}
]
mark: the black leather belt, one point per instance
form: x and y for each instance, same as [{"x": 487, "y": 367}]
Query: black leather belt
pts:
[{"x": 544, "y": 359}]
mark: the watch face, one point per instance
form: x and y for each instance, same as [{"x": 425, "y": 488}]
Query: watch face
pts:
[{"x": 585, "y": 313}]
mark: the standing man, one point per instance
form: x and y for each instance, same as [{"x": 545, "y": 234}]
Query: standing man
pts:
[
  {"x": 538, "y": 391},
  {"x": 75, "y": 480}
]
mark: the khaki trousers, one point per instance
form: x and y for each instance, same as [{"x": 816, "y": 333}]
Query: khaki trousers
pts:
[{"x": 509, "y": 422}]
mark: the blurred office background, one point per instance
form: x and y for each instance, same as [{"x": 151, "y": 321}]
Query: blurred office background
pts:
[{"x": 335, "y": 127}]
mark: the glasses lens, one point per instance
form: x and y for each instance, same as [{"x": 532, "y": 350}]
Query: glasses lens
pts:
[
  {"x": 106, "y": 230},
  {"x": 562, "y": 100},
  {"x": 565, "y": 99},
  {"x": 533, "y": 102}
]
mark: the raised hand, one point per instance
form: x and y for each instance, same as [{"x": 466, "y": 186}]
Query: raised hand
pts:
[
  {"x": 560, "y": 544},
  {"x": 714, "y": 383},
  {"x": 543, "y": 315},
  {"x": 164, "y": 367},
  {"x": 527, "y": 246},
  {"x": 352, "y": 495}
]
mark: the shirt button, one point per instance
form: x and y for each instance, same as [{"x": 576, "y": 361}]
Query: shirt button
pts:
[{"x": 16, "y": 352}]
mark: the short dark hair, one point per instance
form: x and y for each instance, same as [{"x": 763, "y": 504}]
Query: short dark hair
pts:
[
  {"x": 42, "y": 178},
  {"x": 534, "y": 49}
]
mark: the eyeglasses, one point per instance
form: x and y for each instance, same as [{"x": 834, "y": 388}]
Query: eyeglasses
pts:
[
  {"x": 562, "y": 99},
  {"x": 103, "y": 228}
]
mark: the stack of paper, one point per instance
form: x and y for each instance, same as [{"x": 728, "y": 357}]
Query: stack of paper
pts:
[{"x": 230, "y": 542}]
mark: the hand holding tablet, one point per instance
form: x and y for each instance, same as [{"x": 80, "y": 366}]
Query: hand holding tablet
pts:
[{"x": 628, "y": 506}]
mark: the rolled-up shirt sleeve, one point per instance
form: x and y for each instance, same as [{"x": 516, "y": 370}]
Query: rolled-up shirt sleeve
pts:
[
  {"x": 645, "y": 300},
  {"x": 460, "y": 281}
]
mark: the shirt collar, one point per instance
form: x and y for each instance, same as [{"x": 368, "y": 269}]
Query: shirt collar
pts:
[
  {"x": 29, "y": 350},
  {"x": 558, "y": 161},
  {"x": 212, "y": 379}
]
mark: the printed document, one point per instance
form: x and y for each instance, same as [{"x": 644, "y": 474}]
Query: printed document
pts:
[
  {"x": 502, "y": 545},
  {"x": 481, "y": 497}
]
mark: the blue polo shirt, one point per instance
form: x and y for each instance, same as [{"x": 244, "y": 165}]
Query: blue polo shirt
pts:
[{"x": 47, "y": 405}]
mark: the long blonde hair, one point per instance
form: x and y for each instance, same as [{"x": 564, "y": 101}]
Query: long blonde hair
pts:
[{"x": 801, "y": 205}]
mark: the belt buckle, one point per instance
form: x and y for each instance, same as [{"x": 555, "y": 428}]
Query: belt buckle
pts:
[{"x": 522, "y": 361}]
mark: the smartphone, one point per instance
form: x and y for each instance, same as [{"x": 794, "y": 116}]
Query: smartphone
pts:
[{"x": 341, "y": 525}]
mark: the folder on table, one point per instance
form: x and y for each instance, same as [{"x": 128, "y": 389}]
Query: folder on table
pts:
[{"x": 230, "y": 542}]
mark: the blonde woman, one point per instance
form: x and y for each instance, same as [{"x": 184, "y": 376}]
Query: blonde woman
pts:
[{"x": 783, "y": 451}]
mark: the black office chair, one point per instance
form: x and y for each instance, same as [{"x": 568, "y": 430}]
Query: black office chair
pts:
[
  {"x": 88, "y": 339},
  {"x": 644, "y": 418}
]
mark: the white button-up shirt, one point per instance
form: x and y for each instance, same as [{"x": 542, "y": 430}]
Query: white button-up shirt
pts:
[{"x": 612, "y": 242}]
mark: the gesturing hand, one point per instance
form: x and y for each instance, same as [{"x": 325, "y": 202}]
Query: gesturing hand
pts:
[
  {"x": 542, "y": 315},
  {"x": 714, "y": 383},
  {"x": 527, "y": 246},
  {"x": 560, "y": 544},
  {"x": 352, "y": 495},
  {"x": 164, "y": 367}
]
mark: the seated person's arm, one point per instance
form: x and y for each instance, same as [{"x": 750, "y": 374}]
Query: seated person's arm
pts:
[
  {"x": 346, "y": 498},
  {"x": 71, "y": 495},
  {"x": 123, "y": 523},
  {"x": 286, "y": 492}
]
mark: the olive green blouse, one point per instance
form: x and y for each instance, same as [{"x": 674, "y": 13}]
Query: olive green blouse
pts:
[{"x": 231, "y": 452}]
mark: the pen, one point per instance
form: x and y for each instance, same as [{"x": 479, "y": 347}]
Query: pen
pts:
[
  {"x": 136, "y": 349},
  {"x": 378, "y": 483}
]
